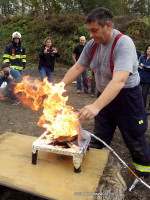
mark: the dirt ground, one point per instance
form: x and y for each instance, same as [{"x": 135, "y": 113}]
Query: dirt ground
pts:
[{"x": 19, "y": 119}]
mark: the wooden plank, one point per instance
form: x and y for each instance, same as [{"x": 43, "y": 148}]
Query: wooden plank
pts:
[{"x": 53, "y": 176}]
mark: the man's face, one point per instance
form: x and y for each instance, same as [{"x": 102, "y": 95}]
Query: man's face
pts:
[
  {"x": 16, "y": 40},
  {"x": 82, "y": 41},
  {"x": 101, "y": 35},
  {"x": 6, "y": 69}
]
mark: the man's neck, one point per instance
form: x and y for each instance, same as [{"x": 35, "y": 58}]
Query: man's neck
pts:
[{"x": 109, "y": 37}]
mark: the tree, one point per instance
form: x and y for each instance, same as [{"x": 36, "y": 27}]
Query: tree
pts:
[
  {"x": 23, "y": 7},
  {"x": 8, "y": 7},
  {"x": 53, "y": 6},
  {"x": 141, "y": 7},
  {"x": 116, "y": 6}
]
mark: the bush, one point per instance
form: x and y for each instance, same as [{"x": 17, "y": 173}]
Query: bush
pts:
[
  {"x": 67, "y": 24},
  {"x": 137, "y": 28},
  {"x": 82, "y": 30},
  {"x": 65, "y": 31}
]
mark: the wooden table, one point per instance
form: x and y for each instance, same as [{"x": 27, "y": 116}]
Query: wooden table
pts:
[{"x": 52, "y": 177}]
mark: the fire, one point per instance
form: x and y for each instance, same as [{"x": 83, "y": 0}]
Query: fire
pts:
[{"x": 57, "y": 118}]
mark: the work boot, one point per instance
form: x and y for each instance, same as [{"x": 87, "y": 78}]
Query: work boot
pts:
[
  {"x": 92, "y": 95},
  {"x": 78, "y": 91},
  {"x": 15, "y": 103},
  {"x": 86, "y": 92}
]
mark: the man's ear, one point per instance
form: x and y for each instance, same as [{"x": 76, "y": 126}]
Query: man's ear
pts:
[{"x": 108, "y": 24}]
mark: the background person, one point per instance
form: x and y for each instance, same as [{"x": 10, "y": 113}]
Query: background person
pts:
[
  {"x": 47, "y": 59},
  {"x": 14, "y": 53},
  {"x": 75, "y": 56},
  {"x": 144, "y": 71},
  {"x": 10, "y": 76},
  {"x": 120, "y": 102}
]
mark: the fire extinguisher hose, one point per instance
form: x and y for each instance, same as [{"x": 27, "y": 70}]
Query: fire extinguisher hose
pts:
[{"x": 139, "y": 179}]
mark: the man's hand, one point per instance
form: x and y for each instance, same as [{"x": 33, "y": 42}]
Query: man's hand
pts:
[
  {"x": 88, "y": 112},
  {"x": 142, "y": 65},
  {"x": 54, "y": 50},
  {"x": 10, "y": 77}
]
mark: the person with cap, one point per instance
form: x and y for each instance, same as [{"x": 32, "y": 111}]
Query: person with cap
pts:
[{"x": 14, "y": 53}]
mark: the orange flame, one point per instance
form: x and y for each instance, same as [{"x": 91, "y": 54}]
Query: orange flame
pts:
[{"x": 58, "y": 118}]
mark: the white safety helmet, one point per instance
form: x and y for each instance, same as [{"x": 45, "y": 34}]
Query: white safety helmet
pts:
[{"x": 16, "y": 35}]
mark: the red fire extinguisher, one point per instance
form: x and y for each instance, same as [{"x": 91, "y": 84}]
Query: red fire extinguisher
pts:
[{"x": 13, "y": 52}]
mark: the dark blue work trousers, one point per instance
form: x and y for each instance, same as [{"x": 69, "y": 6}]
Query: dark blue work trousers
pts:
[
  {"x": 145, "y": 89},
  {"x": 128, "y": 113}
]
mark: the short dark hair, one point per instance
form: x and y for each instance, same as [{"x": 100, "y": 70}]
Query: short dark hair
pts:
[
  {"x": 145, "y": 52},
  {"x": 102, "y": 15},
  {"x": 4, "y": 65}
]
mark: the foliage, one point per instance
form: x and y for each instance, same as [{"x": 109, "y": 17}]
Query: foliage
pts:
[
  {"x": 70, "y": 23},
  {"x": 137, "y": 28},
  {"x": 141, "y": 7},
  {"x": 123, "y": 7},
  {"x": 65, "y": 31},
  {"x": 82, "y": 30},
  {"x": 146, "y": 20}
]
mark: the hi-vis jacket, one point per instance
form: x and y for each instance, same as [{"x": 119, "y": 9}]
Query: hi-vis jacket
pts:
[{"x": 15, "y": 56}]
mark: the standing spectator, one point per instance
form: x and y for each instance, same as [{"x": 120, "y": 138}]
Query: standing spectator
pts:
[
  {"x": 75, "y": 56},
  {"x": 144, "y": 71},
  {"x": 47, "y": 59},
  {"x": 119, "y": 100},
  {"x": 14, "y": 53},
  {"x": 10, "y": 76}
]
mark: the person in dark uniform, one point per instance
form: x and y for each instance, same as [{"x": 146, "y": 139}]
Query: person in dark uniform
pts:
[
  {"x": 14, "y": 53},
  {"x": 144, "y": 71}
]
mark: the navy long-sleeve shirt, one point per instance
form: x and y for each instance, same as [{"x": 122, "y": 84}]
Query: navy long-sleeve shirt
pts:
[{"x": 145, "y": 70}]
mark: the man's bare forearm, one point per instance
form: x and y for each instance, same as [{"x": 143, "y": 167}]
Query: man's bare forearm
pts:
[
  {"x": 110, "y": 92},
  {"x": 88, "y": 112}
]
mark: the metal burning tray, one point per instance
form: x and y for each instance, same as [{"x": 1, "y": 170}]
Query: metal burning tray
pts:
[{"x": 51, "y": 145}]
